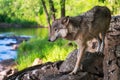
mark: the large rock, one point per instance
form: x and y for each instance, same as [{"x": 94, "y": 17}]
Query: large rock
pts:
[
  {"x": 111, "y": 63},
  {"x": 91, "y": 62},
  {"x": 92, "y": 69}
]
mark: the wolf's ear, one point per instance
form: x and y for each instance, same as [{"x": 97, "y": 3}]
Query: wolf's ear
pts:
[{"x": 65, "y": 20}]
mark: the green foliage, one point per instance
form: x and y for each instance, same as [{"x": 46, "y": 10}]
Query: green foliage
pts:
[
  {"x": 31, "y": 12},
  {"x": 76, "y": 7},
  {"x": 19, "y": 11}
]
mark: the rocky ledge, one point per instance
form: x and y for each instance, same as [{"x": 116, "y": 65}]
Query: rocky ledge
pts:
[{"x": 92, "y": 69}]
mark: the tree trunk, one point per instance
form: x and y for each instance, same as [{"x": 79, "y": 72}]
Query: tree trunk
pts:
[
  {"x": 62, "y": 3},
  {"x": 46, "y": 12},
  {"x": 52, "y": 10}
]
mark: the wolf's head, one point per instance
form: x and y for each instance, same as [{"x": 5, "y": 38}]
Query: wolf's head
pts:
[{"x": 59, "y": 28}]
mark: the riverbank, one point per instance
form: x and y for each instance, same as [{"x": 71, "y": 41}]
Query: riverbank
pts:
[{"x": 13, "y": 25}]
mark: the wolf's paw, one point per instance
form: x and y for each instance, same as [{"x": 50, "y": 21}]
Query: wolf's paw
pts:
[
  {"x": 72, "y": 73},
  {"x": 100, "y": 53}
]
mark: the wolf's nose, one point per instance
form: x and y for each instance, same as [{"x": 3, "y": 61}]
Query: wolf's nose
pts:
[{"x": 49, "y": 39}]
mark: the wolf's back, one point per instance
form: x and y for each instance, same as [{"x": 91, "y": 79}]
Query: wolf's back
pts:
[
  {"x": 98, "y": 12},
  {"x": 98, "y": 17}
]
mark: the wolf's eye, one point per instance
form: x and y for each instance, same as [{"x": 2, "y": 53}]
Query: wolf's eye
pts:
[{"x": 55, "y": 29}]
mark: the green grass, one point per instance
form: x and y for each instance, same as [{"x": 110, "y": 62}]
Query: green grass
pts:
[
  {"x": 41, "y": 48},
  {"x": 57, "y": 53}
]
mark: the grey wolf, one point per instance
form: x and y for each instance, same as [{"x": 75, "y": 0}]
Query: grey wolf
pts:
[{"x": 83, "y": 28}]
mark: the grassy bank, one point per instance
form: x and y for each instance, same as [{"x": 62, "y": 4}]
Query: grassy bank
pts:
[{"x": 39, "y": 47}]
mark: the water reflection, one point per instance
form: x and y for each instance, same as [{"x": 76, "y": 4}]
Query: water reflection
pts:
[{"x": 6, "y": 45}]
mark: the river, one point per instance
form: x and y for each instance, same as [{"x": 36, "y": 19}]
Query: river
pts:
[{"x": 7, "y": 40}]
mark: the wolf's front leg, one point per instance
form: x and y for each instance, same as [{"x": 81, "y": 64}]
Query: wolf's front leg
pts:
[{"x": 79, "y": 56}]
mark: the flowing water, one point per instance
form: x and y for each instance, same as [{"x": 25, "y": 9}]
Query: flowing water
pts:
[{"x": 6, "y": 46}]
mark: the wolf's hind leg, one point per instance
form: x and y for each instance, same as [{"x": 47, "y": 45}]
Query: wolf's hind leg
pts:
[
  {"x": 103, "y": 43},
  {"x": 99, "y": 44}
]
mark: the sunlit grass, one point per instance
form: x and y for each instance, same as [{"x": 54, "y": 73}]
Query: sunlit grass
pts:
[
  {"x": 25, "y": 60},
  {"x": 41, "y": 48},
  {"x": 57, "y": 53}
]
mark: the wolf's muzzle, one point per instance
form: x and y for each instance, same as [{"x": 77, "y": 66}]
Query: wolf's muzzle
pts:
[{"x": 52, "y": 40}]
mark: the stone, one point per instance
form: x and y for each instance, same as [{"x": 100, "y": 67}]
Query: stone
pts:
[
  {"x": 7, "y": 68},
  {"x": 36, "y": 62}
]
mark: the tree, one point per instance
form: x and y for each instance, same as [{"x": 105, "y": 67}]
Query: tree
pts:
[
  {"x": 51, "y": 14},
  {"x": 46, "y": 12},
  {"x": 52, "y": 10},
  {"x": 62, "y": 3}
]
